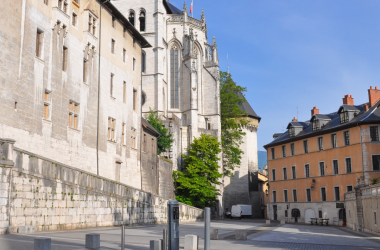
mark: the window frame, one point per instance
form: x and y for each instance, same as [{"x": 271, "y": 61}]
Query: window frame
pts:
[
  {"x": 65, "y": 52},
  {"x": 73, "y": 123},
  {"x": 320, "y": 169},
  {"x": 292, "y": 149},
  {"x": 372, "y": 159},
  {"x": 344, "y": 117},
  {"x": 308, "y": 167},
  {"x": 376, "y": 133},
  {"x": 346, "y": 138},
  {"x": 112, "y": 84},
  {"x": 113, "y": 45},
  {"x": 335, "y": 198},
  {"x": 306, "y": 193},
  {"x": 283, "y": 149},
  {"x": 286, "y": 196},
  {"x": 352, "y": 188},
  {"x": 305, "y": 146},
  {"x": 274, "y": 196},
  {"x": 296, "y": 197},
  {"x": 345, "y": 161},
  {"x": 320, "y": 143},
  {"x": 47, "y": 102},
  {"x": 334, "y": 144},
  {"x": 39, "y": 43},
  {"x": 333, "y": 166},
  {"x": 294, "y": 173},
  {"x": 325, "y": 194},
  {"x": 273, "y": 153},
  {"x": 273, "y": 174},
  {"x": 134, "y": 99},
  {"x": 111, "y": 136},
  {"x": 284, "y": 173},
  {"x": 316, "y": 125}
]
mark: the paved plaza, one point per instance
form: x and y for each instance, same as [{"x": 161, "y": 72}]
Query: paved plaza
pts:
[{"x": 260, "y": 236}]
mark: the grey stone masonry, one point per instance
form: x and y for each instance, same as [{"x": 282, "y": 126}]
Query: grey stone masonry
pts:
[{"x": 46, "y": 195}]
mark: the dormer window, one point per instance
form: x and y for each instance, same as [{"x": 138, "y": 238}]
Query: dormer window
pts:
[
  {"x": 316, "y": 125},
  {"x": 292, "y": 132},
  {"x": 343, "y": 117}
]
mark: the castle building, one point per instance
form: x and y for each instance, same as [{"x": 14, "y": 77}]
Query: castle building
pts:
[
  {"x": 316, "y": 161},
  {"x": 71, "y": 85},
  {"x": 180, "y": 79},
  {"x": 244, "y": 186}
]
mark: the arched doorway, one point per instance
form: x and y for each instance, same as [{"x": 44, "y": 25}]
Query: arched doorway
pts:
[
  {"x": 309, "y": 213},
  {"x": 296, "y": 214}
]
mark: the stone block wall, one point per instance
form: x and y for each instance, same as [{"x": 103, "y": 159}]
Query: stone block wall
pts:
[
  {"x": 166, "y": 184},
  {"x": 54, "y": 196}
]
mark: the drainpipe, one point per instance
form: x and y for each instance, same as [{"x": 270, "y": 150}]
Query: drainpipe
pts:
[
  {"x": 98, "y": 125},
  {"x": 361, "y": 146},
  {"x": 140, "y": 124}
]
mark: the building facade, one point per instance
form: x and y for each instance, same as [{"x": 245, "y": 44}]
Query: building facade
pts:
[
  {"x": 243, "y": 186},
  {"x": 180, "y": 79},
  {"x": 315, "y": 162},
  {"x": 71, "y": 85}
]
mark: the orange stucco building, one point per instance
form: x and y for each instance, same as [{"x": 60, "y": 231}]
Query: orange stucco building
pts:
[{"x": 315, "y": 162}]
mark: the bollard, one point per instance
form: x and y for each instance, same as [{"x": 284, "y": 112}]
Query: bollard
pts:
[
  {"x": 283, "y": 222},
  {"x": 241, "y": 234},
  {"x": 122, "y": 237},
  {"x": 92, "y": 241},
  {"x": 268, "y": 221},
  {"x": 214, "y": 235},
  {"x": 191, "y": 242},
  {"x": 165, "y": 239},
  {"x": 207, "y": 228},
  {"x": 155, "y": 245},
  {"x": 42, "y": 244}
]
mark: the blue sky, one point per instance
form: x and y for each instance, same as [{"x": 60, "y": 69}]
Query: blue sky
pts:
[{"x": 293, "y": 54}]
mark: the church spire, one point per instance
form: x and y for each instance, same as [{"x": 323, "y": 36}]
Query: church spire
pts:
[
  {"x": 184, "y": 8},
  {"x": 203, "y": 18}
]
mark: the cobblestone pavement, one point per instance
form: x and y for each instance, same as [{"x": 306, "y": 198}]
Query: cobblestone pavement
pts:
[{"x": 260, "y": 236}]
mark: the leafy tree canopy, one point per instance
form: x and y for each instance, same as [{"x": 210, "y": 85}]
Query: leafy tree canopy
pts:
[
  {"x": 232, "y": 118},
  {"x": 164, "y": 142},
  {"x": 196, "y": 186}
]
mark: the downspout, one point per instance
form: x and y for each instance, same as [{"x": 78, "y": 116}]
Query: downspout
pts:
[
  {"x": 98, "y": 125},
  {"x": 140, "y": 124},
  {"x": 361, "y": 146}
]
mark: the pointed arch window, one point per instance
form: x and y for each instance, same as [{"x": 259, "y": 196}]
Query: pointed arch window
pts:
[
  {"x": 174, "y": 77},
  {"x": 142, "y": 20},
  {"x": 131, "y": 17}
]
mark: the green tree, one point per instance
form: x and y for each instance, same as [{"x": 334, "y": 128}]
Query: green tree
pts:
[
  {"x": 196, "y": 186},
  {"x": 232, "y": 118},
  {"x": 164, "y": 142}
]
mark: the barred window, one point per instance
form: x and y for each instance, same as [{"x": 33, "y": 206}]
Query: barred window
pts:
[
  {"x": 374, "y": 131},
  {"x": 131, "y": 18},
  {"x": 333, "y": 141},
  {"x": 285, "y": 173},
  {"x": 274, "y": 198},
  {"x": 346, "y": 135},
  {"x": 273, "y": 174},
  {"x": 285, "y": 195},
  {"x": 294, "y": 195},
  {"x": 294, "y": 176},
  {"x": 292, "y": 151},
  {"x": 337, "y": 193},
  {"x": 307, "y": 170}
]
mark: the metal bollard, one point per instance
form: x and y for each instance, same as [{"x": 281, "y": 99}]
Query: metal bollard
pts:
[
  {"x": 42, "y": 244},
  {"x": 207, "y": 228},
  {"x": 122, "y": 237},
  {"x": 165, "y": 239}
]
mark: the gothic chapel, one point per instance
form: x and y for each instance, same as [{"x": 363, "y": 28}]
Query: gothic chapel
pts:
[{"x": 180, "y": 78}]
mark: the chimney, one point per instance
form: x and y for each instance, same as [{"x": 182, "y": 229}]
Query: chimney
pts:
[
  {"x": 314, "y": 111},
  {"x": 294, "y": 120},
  {"x": 366, "y": 106},
  {"x": 373, "y": 95},
  {"x": 348, "y": 100}
]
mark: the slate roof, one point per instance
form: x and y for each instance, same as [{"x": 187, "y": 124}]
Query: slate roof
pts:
[
  {"x": 371, "y": 116},
  {"x": 246, "y": 107},
  {"x": 147, "y": 125},
  {"x": 174, "y": 9}
]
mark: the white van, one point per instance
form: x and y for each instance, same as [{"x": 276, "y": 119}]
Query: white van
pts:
[
  {"x": 240, "y": 210},
  {"x": 235, "y": 211}
]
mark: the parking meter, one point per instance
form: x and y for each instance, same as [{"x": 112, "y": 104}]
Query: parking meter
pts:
[{"x": 173, "y": 224}]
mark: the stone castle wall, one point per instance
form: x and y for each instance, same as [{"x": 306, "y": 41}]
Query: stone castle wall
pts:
[{"x": 47, "y": 195}]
